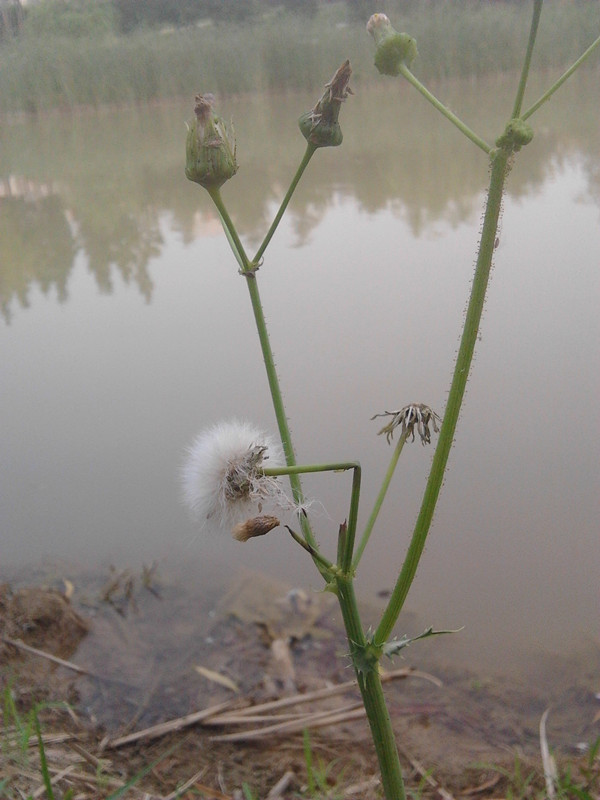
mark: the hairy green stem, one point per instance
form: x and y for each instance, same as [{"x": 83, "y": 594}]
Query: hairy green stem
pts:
[
  {"x": 500, "y": 166},
  {"x": 278, "y": 406},
  {"x": 380, "y": 498},
  {"x": 404, "y": 70},
  {"x": 302, "y": 469},
  {"x": 248, "y": 270},
  {"x": 548, "y": 94},
  {"x": 369, "y": 683},
  {"x": 230, "y": 230},
  {"x": 310, "y": 150},
  {"x": 535, "y": 21}
]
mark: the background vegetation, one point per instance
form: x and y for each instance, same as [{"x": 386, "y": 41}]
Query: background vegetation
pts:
[{"x": 68, "y": 53}]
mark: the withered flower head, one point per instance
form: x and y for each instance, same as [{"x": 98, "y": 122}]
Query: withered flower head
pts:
[
  {"x": 320, "y": 126},
  {"x": 416, "y": 414},
  {"x": 257, "y": 526}
]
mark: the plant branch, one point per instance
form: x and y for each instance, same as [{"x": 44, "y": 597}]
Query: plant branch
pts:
[
  {"x": 404, "y": 70},
  {"x": 500, "y": 166},
  {"x": 535, "y": 21},
  {"x": 230, "y": 230},
  {"x": 380, "y": 498},
  {"x": 310, "y": 149},
  {"x": 561, "y": 80}
]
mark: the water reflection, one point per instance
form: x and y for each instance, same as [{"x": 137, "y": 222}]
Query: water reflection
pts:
[
  {"x": 100, "y": 183},
  {"x": 364, "y": 287}
]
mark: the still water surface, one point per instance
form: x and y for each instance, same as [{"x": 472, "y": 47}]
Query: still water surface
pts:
[{"x": 126, "y": 329}]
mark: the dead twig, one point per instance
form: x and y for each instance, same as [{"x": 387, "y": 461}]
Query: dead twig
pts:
[{"x": 42, "y": 653}]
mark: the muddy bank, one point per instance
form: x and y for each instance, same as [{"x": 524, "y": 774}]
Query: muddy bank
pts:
[{"x": 150, "y": 650}]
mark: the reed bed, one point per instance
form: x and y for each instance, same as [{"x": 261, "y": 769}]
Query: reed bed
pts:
[{"x": 282, "y": 52}]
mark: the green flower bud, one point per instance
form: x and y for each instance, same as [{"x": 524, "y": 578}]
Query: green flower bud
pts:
[
  {"x": 392, "y": 48},
  {"x": 320, "y": 126},
  {"x": 210, "y": 147},
  {"x": 516, "y": 134}
]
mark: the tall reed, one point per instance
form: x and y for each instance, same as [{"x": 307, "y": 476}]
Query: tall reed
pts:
[{"x": 462, "y": 38}]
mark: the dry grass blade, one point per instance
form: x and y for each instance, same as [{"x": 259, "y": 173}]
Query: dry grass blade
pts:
[
  {"x": 167, "y": 727},
  {"x": 187, "y": 785},
  {"x": 282, "y": 784},
  {"x": 420, "y": 769},
  {"x": 318, "y": 719},
  {"x": 54, "y": 780},
  {"x": 318, "y": 694},
  {"x": 550, "y": 774}
]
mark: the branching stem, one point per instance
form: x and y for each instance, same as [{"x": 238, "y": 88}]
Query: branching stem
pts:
[
  {"x": 310, "y": 150},
  {"x": 405, "y": 72},
  {"x": 380, "y": 498},
  {"x": 548, "y": 94}
]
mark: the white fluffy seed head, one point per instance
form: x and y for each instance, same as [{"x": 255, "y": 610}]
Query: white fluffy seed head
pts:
[{"x": 222, "y": 482}]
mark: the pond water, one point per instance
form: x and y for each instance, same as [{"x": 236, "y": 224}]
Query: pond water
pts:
[{"x": 126, "y": 329}]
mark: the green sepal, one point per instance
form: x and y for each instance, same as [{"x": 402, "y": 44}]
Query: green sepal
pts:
[
  {"x": 392, "y": 48},
  {"x": 393, "y": 51},
  {"x": 320, "y": 132},
  {"x": 516, "y": 135},
  {"x": 210, "y": 147}
]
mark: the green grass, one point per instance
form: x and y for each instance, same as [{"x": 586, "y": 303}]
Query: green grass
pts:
[
  {"x": 575, "y": 780},
  {"x": 466, "y": 37}
]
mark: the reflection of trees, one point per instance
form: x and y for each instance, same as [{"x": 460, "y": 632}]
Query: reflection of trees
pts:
[
  {"x": 36, "y": 247},
  {"x": 119, "y": 174}
]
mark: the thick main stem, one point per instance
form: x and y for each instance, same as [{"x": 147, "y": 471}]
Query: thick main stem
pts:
[
  {"x": 369, "y": 683},
  {"x": 500, "y": 165}
]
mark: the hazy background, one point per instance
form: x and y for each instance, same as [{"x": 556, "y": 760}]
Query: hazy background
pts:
[{"x": 126, "y": 328}]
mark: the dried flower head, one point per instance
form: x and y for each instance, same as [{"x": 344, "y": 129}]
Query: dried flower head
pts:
[
  {"x": 416, "y": 414},
  {"x": 320, "y": 125},
  {"x": 223, "y": 482}
]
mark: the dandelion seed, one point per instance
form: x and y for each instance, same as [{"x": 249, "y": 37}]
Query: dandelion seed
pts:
[
  {"x": 222, "y": 476},
  {"x": 416, "y": 414}
]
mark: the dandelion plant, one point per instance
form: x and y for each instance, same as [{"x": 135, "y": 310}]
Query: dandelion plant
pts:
[{"x": 233, "y": 471}]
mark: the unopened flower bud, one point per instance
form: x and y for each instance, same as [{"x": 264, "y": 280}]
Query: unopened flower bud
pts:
[
  {"x": 320, "y": 126},
  {"x": 210, "y": 147},
  {"x": 258, "y": 526},
  {"x": 516, "y": 134},
  {"x": 392, "y": 48}
]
